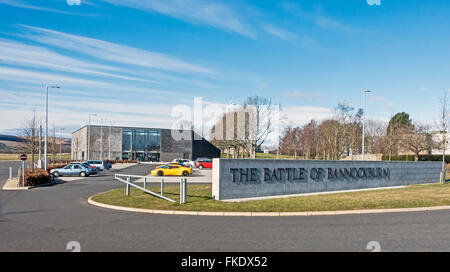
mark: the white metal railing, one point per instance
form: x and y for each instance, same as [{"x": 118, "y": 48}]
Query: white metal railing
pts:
[{"x": 129, "y": 183}]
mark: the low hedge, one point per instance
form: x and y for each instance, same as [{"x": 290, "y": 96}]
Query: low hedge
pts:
[
  {"x": 421, "y": 158},
  {"x": 121, "y": 161},
  {"x": 36, "y": 177},
  {"x": 54, "y": 166}
]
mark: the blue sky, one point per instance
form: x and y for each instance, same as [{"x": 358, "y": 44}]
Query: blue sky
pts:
[{"x": 132, "y": 61}]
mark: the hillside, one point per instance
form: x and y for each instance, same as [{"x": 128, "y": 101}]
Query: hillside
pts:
[{"x": 16, "y": 144}]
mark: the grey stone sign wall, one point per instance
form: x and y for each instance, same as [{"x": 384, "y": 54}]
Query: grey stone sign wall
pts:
[{"x": 234, "y": 178}]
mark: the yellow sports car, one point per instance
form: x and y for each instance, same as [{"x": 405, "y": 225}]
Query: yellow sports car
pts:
[{"x": 172, "y": 169}]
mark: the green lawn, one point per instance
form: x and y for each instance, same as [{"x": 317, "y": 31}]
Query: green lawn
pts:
[{"x": 199, "y": 199}]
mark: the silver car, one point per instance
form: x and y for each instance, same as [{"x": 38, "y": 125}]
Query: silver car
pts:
[
  {"x": 72, "y": 170},
  {"x": 100, "y": 164}
]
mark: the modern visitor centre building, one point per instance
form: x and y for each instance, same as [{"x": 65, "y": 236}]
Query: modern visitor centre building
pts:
[{"x": 144, "y": 144}]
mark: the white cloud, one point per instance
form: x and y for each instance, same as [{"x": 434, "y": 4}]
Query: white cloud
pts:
[
  {"x": 278, "y": 32},
  {"x": 316, "y": 18},
  {"x": 301, "y": 115},
  {"x": 16, "y": 53},
  {"x": 111, "y": 51},
  {"x": 386, "y": 103},
  {"x": 206, "y": 12},
  {"x": 66, "y": 82},
  {"x": 303, "y": 96},
  {"x": 25, "y": 5}
]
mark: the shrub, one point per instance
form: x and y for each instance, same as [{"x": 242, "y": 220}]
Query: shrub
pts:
[
  {"x": 54, "y": 166},
  {"x": 36, "y": 177}
]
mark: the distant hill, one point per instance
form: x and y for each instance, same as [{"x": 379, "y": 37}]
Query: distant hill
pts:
[
  {"x": 15, "y": 144},
  {"x": 11, "y": 138}
]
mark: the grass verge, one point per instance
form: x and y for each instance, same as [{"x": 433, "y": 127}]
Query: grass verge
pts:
[{"x": 199, "y": 199}]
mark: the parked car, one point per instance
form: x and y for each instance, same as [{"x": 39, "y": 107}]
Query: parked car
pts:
[
  {"x": 72, "y": 170},
  {"x": 201, "y": 163},
  {"x": 185, "y": 162},
  {"x": 95, "y": 169},
  {"x": 100, "y": 164},
  {"x": 172, "y": 169}
]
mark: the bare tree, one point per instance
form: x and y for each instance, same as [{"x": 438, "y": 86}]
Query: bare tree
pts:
[
  {"x": 417, "y": 139},
  {"x": 31, "y": 134},
  {"x": 291, "y": 140},
  {"x": 52, "y": 145},
  {"x": 399, "y": 124},
  {"x": 442, "y": 124},
  {"x": 76, "y": 146},
  {"x": 309, "y": 140},
  {"x": 260, "y": 122},
  {"x": 376, "y": 132}
]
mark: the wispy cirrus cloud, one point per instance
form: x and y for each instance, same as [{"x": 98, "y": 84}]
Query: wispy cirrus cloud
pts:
[
  {"x": 316, "y": 18},
  {"x": 303, "y": 96},
  {"x": 279, "y": 32},
  {"x": 40, "y": 7},
  {"x": 386, "y": 103},
  {"x": 109, "y": 51},
  {"x": 218, "y": 14},
  {"x": 19, "y": 54},
  {"x": 207, "y": 12}
]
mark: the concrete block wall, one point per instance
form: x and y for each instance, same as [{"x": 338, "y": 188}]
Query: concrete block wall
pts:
[
  {"x": 96, "y": 132},
  {"x": 228, "y": 183},
  {"x": 172, "y": 148}
]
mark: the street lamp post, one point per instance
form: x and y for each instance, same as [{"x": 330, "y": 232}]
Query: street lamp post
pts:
[
  {"x": 364, "y": 122},
  {"x": 89, "y": 136},
  {"x": 46, "y": 125},
  {"x": 109, "y": 139},
  {"x": 60, "y": 143},
  {"x": 101, "y": 139},
  {"x": 40, "y": 145}
]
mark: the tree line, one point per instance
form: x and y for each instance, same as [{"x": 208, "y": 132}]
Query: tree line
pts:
[{"x": 341, "y": 136}]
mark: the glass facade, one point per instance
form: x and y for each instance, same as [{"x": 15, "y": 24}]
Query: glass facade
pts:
[{"x": 141, "y": 144}]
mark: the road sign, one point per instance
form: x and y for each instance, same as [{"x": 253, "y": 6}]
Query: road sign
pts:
[{"x": 23, "y": 157}]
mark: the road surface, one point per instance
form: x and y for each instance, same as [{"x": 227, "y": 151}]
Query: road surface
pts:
[{"x": 47, "y": 218}]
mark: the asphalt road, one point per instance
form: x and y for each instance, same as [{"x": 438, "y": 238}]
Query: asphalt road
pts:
[{"x": 47, "y": 218}]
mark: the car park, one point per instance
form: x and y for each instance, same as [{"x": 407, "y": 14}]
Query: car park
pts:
[
  {"x": 72, "y": 170},
  {"x": 185, "y": 162},
  {"x": 102, "y": 165},
  {"x": 172, "y": 169},
  {"x": 95, "y": 169},
  {"x": 201, "y": 163}
]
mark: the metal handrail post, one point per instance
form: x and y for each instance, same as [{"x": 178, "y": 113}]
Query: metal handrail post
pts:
[
  {"x": 128, "y": 186},
  {"x": 183, "y": 186},
  {"x": 10, "y": 172},
  {"x": 181, "y": 191},
  {"x": 185, "y": 190},
  {"x": 18, "y": 177}
]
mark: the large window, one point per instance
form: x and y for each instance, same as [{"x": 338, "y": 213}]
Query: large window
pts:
[
  {"x": 126, "y": 140},
  {"x": 143, "y": 144}
]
